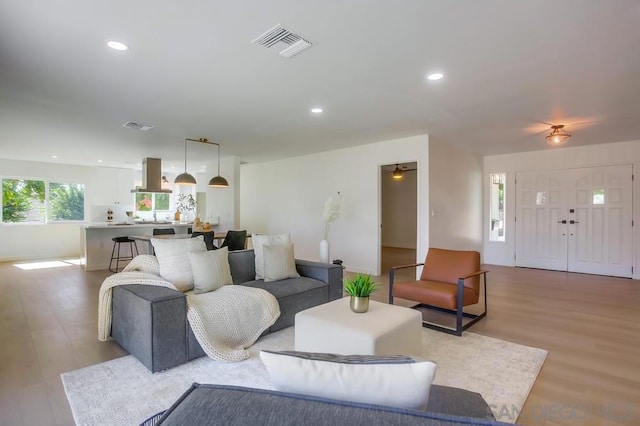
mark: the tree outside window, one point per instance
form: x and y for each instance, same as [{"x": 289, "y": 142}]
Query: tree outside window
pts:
[
  {"x": 66, "y": 201},
  {"x": 147, "y": 201},
  {"x": 36, "y": 201}
]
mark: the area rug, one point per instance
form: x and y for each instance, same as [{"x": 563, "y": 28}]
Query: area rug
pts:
[{"x": 124, "y": 392}]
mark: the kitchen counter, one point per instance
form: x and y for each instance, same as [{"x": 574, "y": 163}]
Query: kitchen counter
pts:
[
  {"x": 97, "y": 240},
  {"x": 107, "y": 225}
]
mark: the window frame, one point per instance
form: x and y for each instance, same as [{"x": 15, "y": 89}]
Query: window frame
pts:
[
  {"x": 497, "y": 185},
  {"x": 47, "y": 201}
]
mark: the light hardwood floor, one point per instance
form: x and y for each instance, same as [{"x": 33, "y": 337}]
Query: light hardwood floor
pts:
[{"x": 590, "y": 325}]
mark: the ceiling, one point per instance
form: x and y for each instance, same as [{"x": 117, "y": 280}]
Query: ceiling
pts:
[{"x": 512, "y": 68}]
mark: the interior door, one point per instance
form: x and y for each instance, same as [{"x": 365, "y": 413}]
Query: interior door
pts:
[
  {"x": 541, "y": 237},
  {"x": 600, "y": 230},
  {"x": 576, "y": 220}
]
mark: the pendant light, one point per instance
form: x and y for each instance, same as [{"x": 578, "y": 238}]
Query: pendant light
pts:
[
  {"x": 186, "y": 179},
  {"x": 218, "y": 181}
]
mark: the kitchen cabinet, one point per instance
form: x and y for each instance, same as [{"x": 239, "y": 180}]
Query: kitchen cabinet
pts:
[{"x": 113, "y": 186}]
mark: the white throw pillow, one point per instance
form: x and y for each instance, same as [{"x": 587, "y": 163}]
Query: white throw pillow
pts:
[
  {"x": 210, "y": 270},
  {"x": 258, "y": 242},
  {"x": 279, "y": 262},
  {"x": 396, "y": 381},
  {"x": 173, "y": 256}
]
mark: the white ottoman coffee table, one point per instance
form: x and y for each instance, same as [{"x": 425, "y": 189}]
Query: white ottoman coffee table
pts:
[{"x": 382, "y": 330}]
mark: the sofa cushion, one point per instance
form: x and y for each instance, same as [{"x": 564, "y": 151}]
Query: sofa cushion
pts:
[
  {"x": 258, "y": 242},
  {"x": 210, "y": 270},
  {"x": 294, "y": 295},
  {"x": 279, "y": 262},
  {"x": 173, "y": 257},
  {"x": 223, "y": 404},
  {"x": 399, "y": 381}
]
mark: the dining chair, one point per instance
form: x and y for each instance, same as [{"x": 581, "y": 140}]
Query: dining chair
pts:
[
  {"x": 163, "y": 231},
  {"x": 208, "y": 239},
  {"x": 235, "y": 240}
]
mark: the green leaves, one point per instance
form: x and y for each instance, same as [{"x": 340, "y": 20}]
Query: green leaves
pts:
[{"x": 362, "y": 285}]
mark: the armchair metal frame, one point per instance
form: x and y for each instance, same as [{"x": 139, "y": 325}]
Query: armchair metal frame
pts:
[{"x": 458, "y": 312}]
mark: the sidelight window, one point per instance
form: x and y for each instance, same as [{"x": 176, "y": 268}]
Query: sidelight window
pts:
[{"x": 497, "y": 207}]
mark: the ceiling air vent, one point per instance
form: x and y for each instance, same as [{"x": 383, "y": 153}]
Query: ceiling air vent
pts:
[
  {"x": 286, "y": 41},
  {"x": 138, "y": 126}
]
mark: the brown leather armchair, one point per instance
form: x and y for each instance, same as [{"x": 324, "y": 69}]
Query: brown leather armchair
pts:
[{"x": 449, "y": 281}]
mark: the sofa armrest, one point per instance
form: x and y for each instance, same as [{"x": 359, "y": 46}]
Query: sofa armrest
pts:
[
  {"x": 150, "y": 322},
  {"x": 325, "y": 272}
]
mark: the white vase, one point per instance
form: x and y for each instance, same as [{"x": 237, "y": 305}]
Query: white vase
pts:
[{"x": 324, "y": 251}]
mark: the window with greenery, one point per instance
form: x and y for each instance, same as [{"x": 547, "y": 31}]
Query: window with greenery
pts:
[
  {"x": 497, "y": 209},
  {"x": 37, "y": 201},
  {"x": 66, "y": 201},
  {"x": 147, "y": 201}
]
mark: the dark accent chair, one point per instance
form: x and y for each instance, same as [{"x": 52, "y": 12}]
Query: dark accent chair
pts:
[
  {"x": 208, "y": 239},
  {"x": 163, "y": 231},
  {"x": 235, "y": 240},
  {"x": 450, "y": 280}
]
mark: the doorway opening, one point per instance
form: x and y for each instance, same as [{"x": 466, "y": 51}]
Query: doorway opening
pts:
[{"x": 398, "y": 217}]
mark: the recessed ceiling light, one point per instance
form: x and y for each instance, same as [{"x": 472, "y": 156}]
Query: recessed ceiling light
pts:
[
  {"x": 116, "y": 45},
  {"x": 435, "y": 76},
  {"x": 316, "y": 110},
  {"x": 54, "y": 156},
  {"x": 99, "y": 161}
]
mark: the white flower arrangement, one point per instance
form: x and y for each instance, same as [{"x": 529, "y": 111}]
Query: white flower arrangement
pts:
[{"x": 331, "y": 213}]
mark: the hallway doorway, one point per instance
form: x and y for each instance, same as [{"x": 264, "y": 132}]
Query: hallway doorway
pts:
[{"x": 398, "y": 218}]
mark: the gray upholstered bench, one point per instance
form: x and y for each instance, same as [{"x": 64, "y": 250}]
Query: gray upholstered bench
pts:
[{"x": 221, "y": 404}]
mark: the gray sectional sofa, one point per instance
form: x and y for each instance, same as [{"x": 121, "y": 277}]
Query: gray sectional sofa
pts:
[
  {"x": 223, "y": 405},
  {"x": 150, "y": 322}
]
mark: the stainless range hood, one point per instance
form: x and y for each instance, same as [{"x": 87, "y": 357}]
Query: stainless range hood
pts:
[{"x": 152, "y": 176}]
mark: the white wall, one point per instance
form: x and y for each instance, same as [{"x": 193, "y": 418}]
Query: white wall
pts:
[
  {"x": 455, "y": 198},
  {"x": 223, "y": 203},
  {"x": 399, "y": 207},
  {"x": 289, "y": 195},
  {"x": 502, "y": 253},
  {"x": 40, "y": 241}
]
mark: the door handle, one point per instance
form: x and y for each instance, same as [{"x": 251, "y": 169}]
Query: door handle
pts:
[
  {"x": 573, "y": 221},
  {"x": 563, "y": 221}
]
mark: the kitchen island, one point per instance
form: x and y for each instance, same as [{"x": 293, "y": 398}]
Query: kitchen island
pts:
[{"x": 97, "y": 242}]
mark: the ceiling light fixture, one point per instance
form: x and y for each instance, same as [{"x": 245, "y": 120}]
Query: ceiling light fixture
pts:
[
  {"x": 186, "y": 179},
  {"x": 397, "y": 173},
  {"x": 116, "y": 45},
  {"x": 316, "y": 110},
  {"x": 435, "y": 76},
  {"x": 557, "y": 135}
]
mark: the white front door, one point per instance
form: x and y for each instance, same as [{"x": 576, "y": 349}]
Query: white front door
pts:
[
  {"x": 600, "y": 230},
  {"x": 576, "y": 220},
  {"x": 541, "y": 204}
]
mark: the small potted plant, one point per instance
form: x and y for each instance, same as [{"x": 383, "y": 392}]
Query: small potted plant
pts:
[{"x": 359, "y": 288}]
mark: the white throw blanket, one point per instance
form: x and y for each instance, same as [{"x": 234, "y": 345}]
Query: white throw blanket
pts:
[{"x": 225, "y": 321}]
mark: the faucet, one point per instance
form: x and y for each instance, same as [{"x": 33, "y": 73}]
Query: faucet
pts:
[{"x": 154, "y": 216}]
